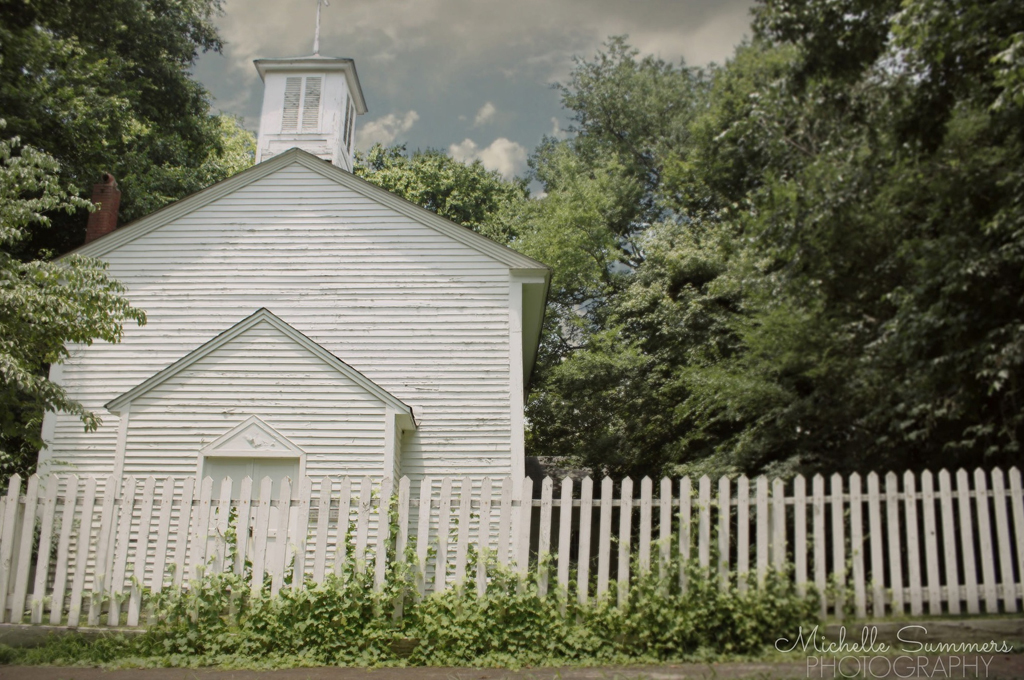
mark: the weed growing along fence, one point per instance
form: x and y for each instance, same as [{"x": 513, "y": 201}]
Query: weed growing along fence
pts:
[
  {"x": 70, "y": 548},
  {"x": 349, "y": 620}
]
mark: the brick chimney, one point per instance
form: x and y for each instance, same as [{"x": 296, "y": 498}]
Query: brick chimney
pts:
[{"x": 107, "y": 197}]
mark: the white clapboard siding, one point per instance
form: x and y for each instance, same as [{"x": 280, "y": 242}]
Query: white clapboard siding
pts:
[
  {"x": 420, "y": 314},
  {"x": 128, "y": 538}
]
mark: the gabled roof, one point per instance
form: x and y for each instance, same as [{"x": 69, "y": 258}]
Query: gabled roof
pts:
[
  {"x": 457, "y": 232},
  {"x": 264, "y": 316}
]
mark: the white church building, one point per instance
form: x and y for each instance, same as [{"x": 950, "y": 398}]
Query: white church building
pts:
[{"x": 302, "y": 321}]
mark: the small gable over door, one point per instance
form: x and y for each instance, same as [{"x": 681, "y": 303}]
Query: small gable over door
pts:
[{"x": 255, "y": 450}]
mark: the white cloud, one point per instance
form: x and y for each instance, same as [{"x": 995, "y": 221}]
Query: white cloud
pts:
[
  {"x": 503, "y": 155},
  {"x": 556, "y": 129},
  {"x": 485, "y": 114},
  {"x": 385, "y": 130}
]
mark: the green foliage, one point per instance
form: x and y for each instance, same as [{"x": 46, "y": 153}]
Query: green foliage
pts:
[
  {"x": 111, "y": 91},
  {"x": 828, "y": 275},
  {"x": 346, "y": 621},
  {"x": 465, "y": 193},
  {"x": 43, "y": 305}
]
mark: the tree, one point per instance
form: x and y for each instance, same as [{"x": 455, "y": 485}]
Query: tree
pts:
[
  {"x": 831, "y": 276},
  {"x": 465, "y": 193},
  {"x": 43, "y": 305},
  {"x": 108, "y": 89}
]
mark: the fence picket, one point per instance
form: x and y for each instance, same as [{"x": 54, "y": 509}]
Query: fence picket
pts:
[
  {"x": 544, "y": 538},
  {"x": 141, "y": 551},
  {"x": 913, "y": 543},
  {"x": 7, "y": 542},
  {"x": 857, "y": 545},
  {"x": 363, "y": 521},
  {"x": 104, "y": 550},
  {"x": 323, "y": 522},
  {"x": 724, "y": 522},
  {"x": 565, "y": 534},
  {"x": 402, "y": 539},
  {"x": 43, "y": 554},
  {"x": 778, "y": 515},
  {"x": 1017, "y": 505},
  {"x": 875, "y": 537},
  {"x": 60, "y": 578},
  {"x": 298, "y": 541},
  {"x": 742, "y": 531},
  {"x": 523, "y": 539},
  {"x": 800, "y": 533},
  {"x": 704, "y": 522},
  {"x": 625, "y": 529},
  {"x": 443, "y": 528},
  {"x": 646, "y": 492},
  {"x": 985, "y": 543},
  {"x": 483, "y": 536},
  {"x": 963, "y": 492},
  {"x": 892, "y": 515},
  {"x": 243, "y": 524},
  {"x": 201, "y": 530},
  {"x": 423, "y": 534},
  {"x": 949, "y": 542},
  {"x": 818, "y": 521},
  {"x": 462, "y": 544},
  {"x": 604, "y": 537},
  {"x": 931, "y": 545},
  {"x": 685, "y": 529},
  {"x": 259, "y": 556},
  {"x": 762, "y": 527},
  {"x": 664, "y": 528},
  {"x": 586, "y": 516},
  {"x": 838, "y": 545},
  {"x": 344, "y": 527},
  {"x": 220, "y": 545},
  {"x": 163, "y": 524},
  {"x": 123, "y": 531},
  {"x": 279, "y": 561},
  {"x": 1003, "y": 536},
  {"x": 24, "y": 562},
  {"x": 82, "y": 544},
  {"x": 184, "y": 521},
  {"x": 505, "y": 521}
]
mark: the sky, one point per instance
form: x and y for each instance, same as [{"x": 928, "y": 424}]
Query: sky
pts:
[{"x": 472, "y": 77}]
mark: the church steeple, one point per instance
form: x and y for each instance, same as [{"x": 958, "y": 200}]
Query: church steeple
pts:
[{"x": 310, "y": 103}]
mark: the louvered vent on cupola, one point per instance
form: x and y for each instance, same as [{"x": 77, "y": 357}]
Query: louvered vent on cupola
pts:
[
  {"x": 301, "y": 104},
  {"x": 311, "y": 105}
]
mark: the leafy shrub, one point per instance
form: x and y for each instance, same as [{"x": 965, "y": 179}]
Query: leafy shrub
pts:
[{"x": 346, "y": 621}]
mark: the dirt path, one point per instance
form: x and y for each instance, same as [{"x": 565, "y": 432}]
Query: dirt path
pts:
[{"x": 1002, "y": 667}]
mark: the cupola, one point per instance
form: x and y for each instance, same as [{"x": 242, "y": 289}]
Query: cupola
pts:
[{"x": 310, "y": 103}]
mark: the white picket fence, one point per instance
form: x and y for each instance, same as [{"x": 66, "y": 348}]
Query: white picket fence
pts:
[{"x": 74, "y": 548}]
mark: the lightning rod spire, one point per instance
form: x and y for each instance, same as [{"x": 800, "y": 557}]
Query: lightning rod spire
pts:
[{"x": 316, "y": 36}]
